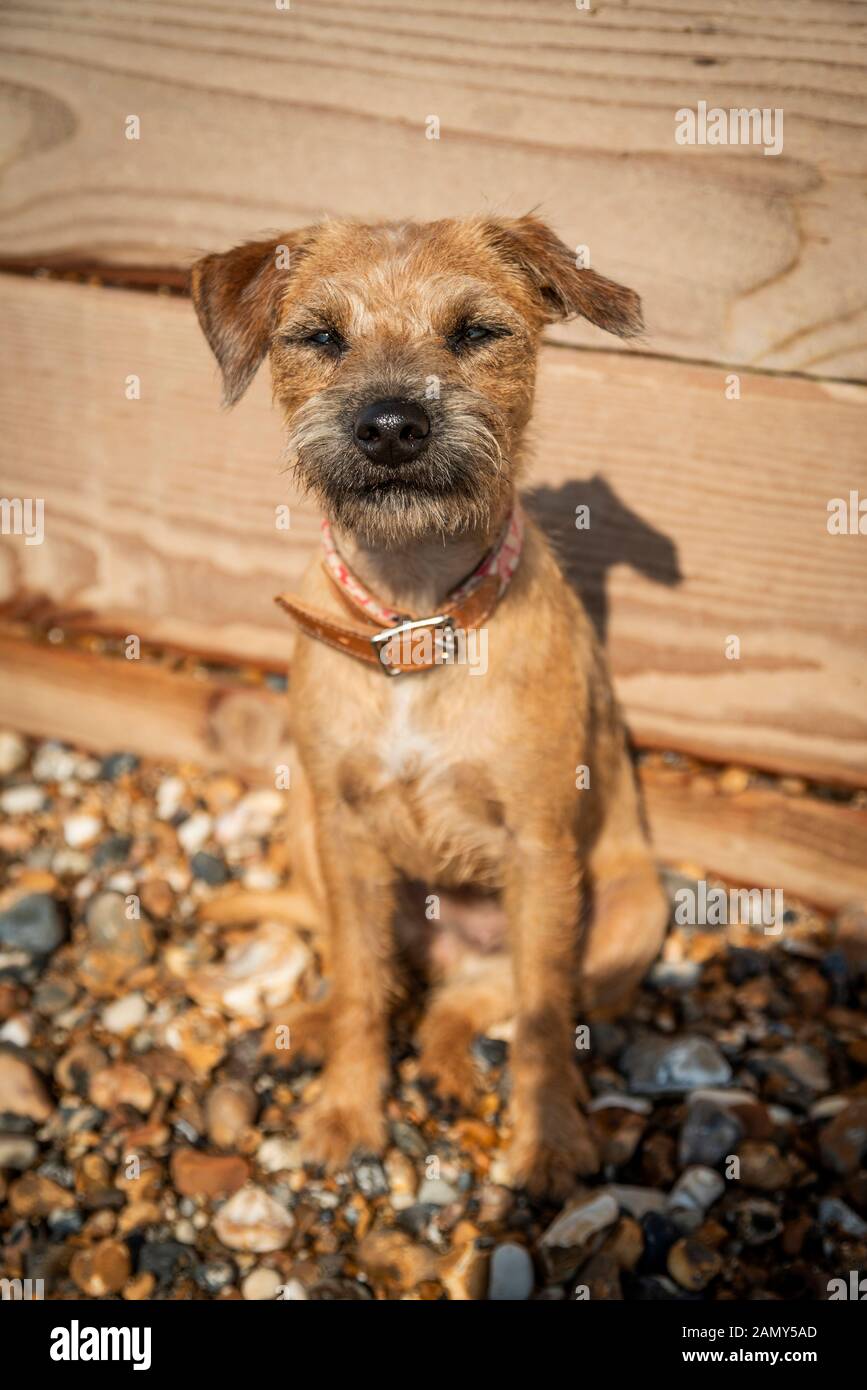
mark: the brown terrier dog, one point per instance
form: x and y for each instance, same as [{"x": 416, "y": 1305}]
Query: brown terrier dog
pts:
[{"x": 404, "y": 359}]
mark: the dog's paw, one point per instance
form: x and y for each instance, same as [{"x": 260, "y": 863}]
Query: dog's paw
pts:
[
  {"x": 451, "y": 1075},
  {"x": 546, "y": 1159},
  {"x": 331, "y": 1131}
]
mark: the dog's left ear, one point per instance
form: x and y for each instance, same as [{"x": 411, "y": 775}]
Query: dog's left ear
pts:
[
  {"x": 563, "y": 287},
  {"x": 236, "y": 295}
]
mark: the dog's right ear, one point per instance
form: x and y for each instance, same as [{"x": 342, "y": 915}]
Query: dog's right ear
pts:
[{"x": 236, "y": 295}]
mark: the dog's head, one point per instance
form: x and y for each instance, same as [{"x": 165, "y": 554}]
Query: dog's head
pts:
[{"x": 403, "y": 356}]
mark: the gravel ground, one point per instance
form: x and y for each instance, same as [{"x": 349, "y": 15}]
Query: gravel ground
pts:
[{"x": 147, "y": 1121}]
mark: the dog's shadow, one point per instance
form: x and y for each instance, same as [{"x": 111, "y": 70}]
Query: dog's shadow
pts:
[{"x": 615, "y": 535}]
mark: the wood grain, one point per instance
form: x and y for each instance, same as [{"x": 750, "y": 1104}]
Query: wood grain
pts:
[
  {"x": 813, "y": 850},
  {"x": 254, "y": 118},
  {"x": 708, "y": 518},
  {"x": 108, "y": 703}
]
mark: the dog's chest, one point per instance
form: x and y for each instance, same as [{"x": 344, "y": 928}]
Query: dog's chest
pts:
[
  {"x": 421, "y": 784},
  {"x": 408, "y": 745}
]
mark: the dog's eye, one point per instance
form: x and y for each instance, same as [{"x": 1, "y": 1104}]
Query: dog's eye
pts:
[
  {"x": 470, "y": 335},
  {"x": 325, "y": 337}
]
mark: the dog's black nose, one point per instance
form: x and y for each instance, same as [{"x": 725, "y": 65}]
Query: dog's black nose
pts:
[{"x": 392, "y": 431}]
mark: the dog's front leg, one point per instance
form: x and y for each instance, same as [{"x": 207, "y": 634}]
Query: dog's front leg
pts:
[
  {"x": 551, "y": 1145},
  {"x": 359, "y": 881}
]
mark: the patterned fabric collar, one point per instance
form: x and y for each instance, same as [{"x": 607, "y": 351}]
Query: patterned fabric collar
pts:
[{"x": 502, "y": 561}]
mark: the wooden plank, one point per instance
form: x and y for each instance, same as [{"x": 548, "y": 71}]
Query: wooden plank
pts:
[
  {"x": 708, "y": 518},
  {"x": 254, "y": 117},
  {"x": 109, "y": 704},
  {"x": 813, "y": 850}
]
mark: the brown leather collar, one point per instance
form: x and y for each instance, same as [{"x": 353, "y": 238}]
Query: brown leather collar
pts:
[{"x": 415, "y": 644}]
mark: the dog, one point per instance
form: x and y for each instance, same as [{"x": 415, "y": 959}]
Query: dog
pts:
[{"x": 487, "y": 829}]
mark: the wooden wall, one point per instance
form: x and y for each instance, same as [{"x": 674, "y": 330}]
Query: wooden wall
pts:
[
  {"x": 708, "y": 514},
  {"x": 255, "y": 117}
]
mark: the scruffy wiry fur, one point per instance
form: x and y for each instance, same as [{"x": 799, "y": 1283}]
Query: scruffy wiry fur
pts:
[
  {"x": 459, "y": 481},
  {"x": 438, "y": 786}
]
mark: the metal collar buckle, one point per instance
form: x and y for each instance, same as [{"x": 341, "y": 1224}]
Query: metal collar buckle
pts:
[{"x": 380, "y": 640}]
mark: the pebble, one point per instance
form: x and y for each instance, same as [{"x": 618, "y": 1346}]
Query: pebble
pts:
[
  {"x": 599, "y": 1279},
  {"x": 121, "y": 1084},
  {"x": 13, "y": 752},
  {"x": 675, "y": 974},
  {"x": 125, "y": 1015},
  {"x": 53, "y": 996},
  {"x": 118, "y": 944},
  {"x": 101, "y": 1269},
  {"x": 166, "y": 1260},
  {"x": 72, "y": 863},
  {"x": 194, "y": 831},
  {"x": 209, "y": 868},
  {"x": 464, "y": 1272},
  {"x": 757, "y": 1221},
  {"x": 257, "y": 974},
  {"x": 75, "y": 1068},
  {"x": 115, "y": 850},
  {"x": 511, "y": 1276},
  {"x": 117, "y": 765},
  {"x": 618, "y": 1100},
  {"x": 157, "y": 898},
  {"x": 35, "y": 1195},
  {"x": 215, "y": 1275},
  {"x": 253, "y": 816},
  {"x": 261, "y": 1283},
  {"x": 395, "y": 1260},
  {"x": 762, "y": 1166},
  {"x": 200, "y": 1036},
  {"x": 139, "y": 1288},
  {"x": 22, "y": 1091},
  {"x": 24, "y": 800},
  {"x": 834, "y": 1213},
  {"x": 710, "y": 1133},
  {"x": 277, "y": 1153},
  {"x": 371, "y": 1180},
  {"x": 402, "y": 1179},
  {"x": 580, "y": 1220},
  {"x": 674, "y": 1066},
  {"x": 802, "y": 1065},
  {"x": 170, "y": 795},
  {"x": 81, "y": 830},
  {"x": 252, "y": 1220},
  {"x": 17, "y": 1151},
  {"x": 18, "y": 1030},
  {"x": 294, "y": 1291},
  {"x": 409, "y": 1140},
  {"x": 695, "y": 1191},
  {"x": 637, "y": 1201},
  {"x": 197, "y": 1174},
  {"x": 229, "y": 1111},
  {"x": 436, "y": 1192},
  {"x": 692, "y": 1264},
  {"x": 54, "y": 762},
  {"x": 659, "y": 1234},
  {"x": 33, "y": 924},
  {"x": 625, "y": 1243},
  {"x": 843, "y": 1142}
]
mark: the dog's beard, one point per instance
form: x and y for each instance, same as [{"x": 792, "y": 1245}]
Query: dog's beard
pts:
[{"x": 458, "y": 482}]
